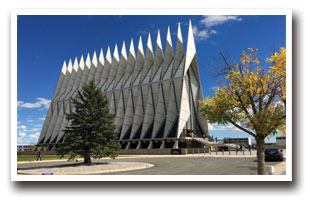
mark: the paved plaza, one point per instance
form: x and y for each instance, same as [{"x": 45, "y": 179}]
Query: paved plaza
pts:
[{"x": 172, "y": 165}]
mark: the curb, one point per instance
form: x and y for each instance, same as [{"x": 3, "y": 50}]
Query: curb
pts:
[
  {"x": 58, "y": 160},
  {"x": 148, "y": 165}
]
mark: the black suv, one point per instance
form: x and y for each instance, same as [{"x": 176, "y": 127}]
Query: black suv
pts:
[{"x": 273, "y": 153}]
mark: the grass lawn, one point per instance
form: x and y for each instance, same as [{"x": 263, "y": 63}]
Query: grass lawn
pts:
[{"x": 44, "y": 157}]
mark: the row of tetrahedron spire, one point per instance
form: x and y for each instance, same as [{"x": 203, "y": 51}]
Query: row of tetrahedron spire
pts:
[
  {"x": 131, "y": 71},
  {"x": 119, "y": 72}
]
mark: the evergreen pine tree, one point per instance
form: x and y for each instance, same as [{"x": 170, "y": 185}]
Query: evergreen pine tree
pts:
[{"x": 91, "y": 132}]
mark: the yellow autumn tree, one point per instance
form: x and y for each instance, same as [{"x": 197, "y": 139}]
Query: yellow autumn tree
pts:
[
  {"x": 250, "y": 98},
  {"x": 278, "y": 69}
]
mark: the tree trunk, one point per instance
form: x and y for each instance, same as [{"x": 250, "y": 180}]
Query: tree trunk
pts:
[
  {"x": 260, "y": 154},
  {"x": 87, "y": 160}
]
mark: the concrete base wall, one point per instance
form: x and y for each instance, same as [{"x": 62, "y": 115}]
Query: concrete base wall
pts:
[
  {"x": 145, "y": 151},
  {"x": 184, "y": 151}
]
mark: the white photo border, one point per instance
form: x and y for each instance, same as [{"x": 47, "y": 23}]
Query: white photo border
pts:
[{"x": 147, "y": 11}]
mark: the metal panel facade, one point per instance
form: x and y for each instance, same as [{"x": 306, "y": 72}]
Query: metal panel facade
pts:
[{"x": 154, "y": 95}]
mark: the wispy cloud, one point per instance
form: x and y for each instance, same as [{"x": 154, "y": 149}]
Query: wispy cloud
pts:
[
  {"x": 216, "y": 127},
  {"x": 214, "y": 87},
  {"x": 214, "y": 20},
  {"x": 22, "y": 134},
  {"x": 33, "y": 129},
  {"x": 24, "y": 138},
  {"x": 202, "y": 34},
  {"x": 41, "y": 102},
  {"x": 205, "y": 28},
  {"x": 143, "y": 32},
  {"x": 22, "y": 127},
  {"x": 35, "y": 136},
  {"x": 210, "y": 127},
  {"x": 42, "y": 119}
]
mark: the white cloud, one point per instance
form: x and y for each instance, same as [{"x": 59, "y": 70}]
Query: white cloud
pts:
[
  {"x": 21, "y": 134},
  {"x": 210, "y": 127},
  {"x": 213, "y": 20},
  {"x": 144, "y": 32},
  {"x": 33, "y": 129},
  {"x": 200, "y": 34},
  {"x": 42, "y": 119},
  {"x": 41, "y": 102},
  {"x": 209, "y": 21},
  {"x": 214, "y": 87},
  {"x": 216, "y": 127},
  {"x": 213, "y": 31},
  {"x": 35, "y": 136},
  {"x": 23, "y": 138},
  {"x": 19, "y": 103},
  {"x": 22, "y": 127},
  {"x": 203, "y": 34},
  {"x": 29, "y": 120}
]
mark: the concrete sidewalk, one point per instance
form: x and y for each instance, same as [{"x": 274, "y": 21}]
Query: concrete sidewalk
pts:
[
  {"x": 219, "y": 155},
  {"x": 195, "y": 155}
]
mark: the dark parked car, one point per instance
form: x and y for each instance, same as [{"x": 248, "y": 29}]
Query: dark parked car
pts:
[{"x": 273, "y": 153}]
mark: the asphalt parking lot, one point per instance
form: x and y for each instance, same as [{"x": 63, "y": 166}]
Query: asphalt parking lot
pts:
[{"x": 175, "y": 165}]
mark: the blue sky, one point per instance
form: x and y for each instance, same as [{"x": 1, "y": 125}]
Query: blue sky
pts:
[{"x": 44, "y": 42}]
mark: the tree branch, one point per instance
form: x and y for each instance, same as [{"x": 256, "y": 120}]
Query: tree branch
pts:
[
  {"x": 241, "y": 128},
  {"x": 225, "y": 61},
  {"x": 239, "y": 96}
]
